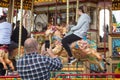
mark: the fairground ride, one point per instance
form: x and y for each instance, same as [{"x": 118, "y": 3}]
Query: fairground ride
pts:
[{"x": 57, "y": 11}]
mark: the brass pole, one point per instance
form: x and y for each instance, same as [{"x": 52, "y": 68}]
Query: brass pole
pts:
[
  {"x": 56, "y": 13},
  {"x": 77, "y": 10},
  {"x": 20, "y": 28},
  {"x": 12, "y": 10},
  {"x": 32, "y": 24},
  {"x": 67, "y": 20},
  {"x": 9, "y": 11},
  {"x": 104, "y": 29}
]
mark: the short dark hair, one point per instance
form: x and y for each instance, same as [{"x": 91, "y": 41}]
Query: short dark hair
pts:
[
  {"x": 2, "y": 17},
  {"x": 82, "y": 8}
]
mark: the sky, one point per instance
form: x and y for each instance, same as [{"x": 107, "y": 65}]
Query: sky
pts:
[
  {"x": 101, "y": 18},
  {"x": 117, "y": 15}
]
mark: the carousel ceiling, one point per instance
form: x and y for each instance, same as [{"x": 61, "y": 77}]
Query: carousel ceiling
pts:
[
  {"x": 27, "y": 4},
  {"x": 6, "y": 3}
]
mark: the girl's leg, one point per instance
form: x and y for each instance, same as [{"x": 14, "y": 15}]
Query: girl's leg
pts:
[{"x": 67, "y": 41}]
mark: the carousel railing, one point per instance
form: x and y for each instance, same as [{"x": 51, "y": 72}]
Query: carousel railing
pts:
[{"x": 92, "y": 76}]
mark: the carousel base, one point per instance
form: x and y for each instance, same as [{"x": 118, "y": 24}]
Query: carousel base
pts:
[
  {"x": 85, "y": 79},
  {"x": 68, "y": 79}
]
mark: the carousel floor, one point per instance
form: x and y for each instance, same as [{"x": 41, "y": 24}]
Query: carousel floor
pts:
[{"x": 67, "y": 79}]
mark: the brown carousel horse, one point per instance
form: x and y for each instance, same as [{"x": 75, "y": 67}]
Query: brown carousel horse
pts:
[
  {"x": 4, "y": 57},
  {"x": 14, "y": 53},
  {"x": 82, "y": 53}
]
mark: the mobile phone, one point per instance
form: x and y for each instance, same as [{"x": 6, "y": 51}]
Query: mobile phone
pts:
[{"x": 47, "y": 44}]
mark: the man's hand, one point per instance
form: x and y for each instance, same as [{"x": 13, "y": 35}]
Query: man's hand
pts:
[
  {"x": 51, "y": 54},
  {"x": 43, "y": 51}
]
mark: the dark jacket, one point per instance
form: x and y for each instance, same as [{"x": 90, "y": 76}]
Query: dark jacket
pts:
[{"x": 15, "y": 35}]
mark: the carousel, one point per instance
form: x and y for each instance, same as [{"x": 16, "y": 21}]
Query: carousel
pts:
[{"x": 50, "y": 19}]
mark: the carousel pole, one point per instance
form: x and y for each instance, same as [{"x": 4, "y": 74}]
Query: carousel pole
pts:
[
  {"x": 32, "y": 17},
  {"x": 55, "y": 18},
  {"x": 77, "y": 5},
  {"x": 9, "y": 11},
  {"x": 12, "y": 10},
  {"x": 104, "y": 31},
  {"x": 104, "y": 28},
  {"x": 67, "y": 20},
  {"x": 17, "y": 14},
  {"x": 20, "y": 28},
  {"x": 56, "y": 13}
]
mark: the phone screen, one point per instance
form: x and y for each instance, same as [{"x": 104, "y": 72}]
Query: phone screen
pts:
[{"x": 47, "y": 44}]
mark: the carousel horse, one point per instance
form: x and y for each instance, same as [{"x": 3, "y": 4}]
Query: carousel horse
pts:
[
  {"x": 14, "y": 53},
  {"x": 82, "y": 52},
  {"x": 4, "y": 57},
  {"x": 89, "y": 54}
]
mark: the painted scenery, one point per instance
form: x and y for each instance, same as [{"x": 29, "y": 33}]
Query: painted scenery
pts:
[
  {"x": 116, "y": 21},
  {"x": 116, "y": 47}
]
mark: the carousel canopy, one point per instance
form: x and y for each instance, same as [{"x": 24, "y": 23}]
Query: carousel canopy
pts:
[
  {"x": 27, "y": 3},
  {"x": 50, "y": 5},
  {"x": 6, "y": 3},
  {"x": 116, "y": 4}
]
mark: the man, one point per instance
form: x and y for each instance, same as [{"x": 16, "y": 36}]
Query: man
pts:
[
  {"x": 5, "y": 31},
  {"x": 15, "y": 34},
  {"x": 33, "y": 66},
  {"x": 5, "y": 34},
  {"x": 79, "y": 31}
]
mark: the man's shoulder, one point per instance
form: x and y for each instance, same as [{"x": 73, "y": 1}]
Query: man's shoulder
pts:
[{"x": 6, "y": 23}]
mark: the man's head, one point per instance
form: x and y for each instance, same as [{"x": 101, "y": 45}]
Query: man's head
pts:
[{"x": 31, "y": 45}]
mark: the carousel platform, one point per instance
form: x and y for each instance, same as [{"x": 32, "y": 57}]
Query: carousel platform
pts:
[
  {"x": 105, "y": 76},
  {"x": 85, "y": 79},
  {"x": 69, "y": 76},
  {"x": 67, "y": 79}
]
